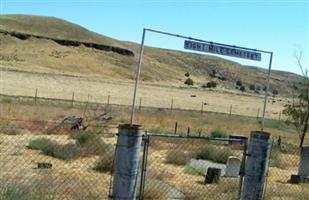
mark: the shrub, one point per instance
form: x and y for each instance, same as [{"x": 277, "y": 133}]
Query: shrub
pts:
[
  {"x": 275, "y": 92},
  {"x": 43, "y": 144},
  {"x": 67, "y": 152},
  {"x": 239, "y": 83},
  {"x": 252, "y": 87},
  {"x": 6, "y": 100},
  {"x": 85, "y": 138},
  {"x": 177, "y": 157},
  {"x": 218, "y": 134},
  {"x": 187, "y": 74},
  {"x": 20, "y": 192},
  {"x": 211, "y": 84},
  {"x": 214, "y": 154},
  {"x": 10, "y": 130},
  {"x": 105, "y": 164},
  {"x": 242, "y": 88},
  {"x": 189, "y": 81}
]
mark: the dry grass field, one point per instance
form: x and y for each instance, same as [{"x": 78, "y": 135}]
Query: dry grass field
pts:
[{"x": 153, "y": 94}]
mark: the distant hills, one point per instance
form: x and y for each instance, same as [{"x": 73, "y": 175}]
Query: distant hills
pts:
[{"x": 51, "y": 45}]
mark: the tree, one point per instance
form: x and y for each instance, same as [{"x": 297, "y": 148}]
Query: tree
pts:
[{"x": 298, "y": 112}]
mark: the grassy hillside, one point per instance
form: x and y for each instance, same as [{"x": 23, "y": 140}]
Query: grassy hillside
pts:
[{"x": 42, "y": 55}]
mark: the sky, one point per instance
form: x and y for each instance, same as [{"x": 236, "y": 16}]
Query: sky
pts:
[{"x": 280, "y": 26}]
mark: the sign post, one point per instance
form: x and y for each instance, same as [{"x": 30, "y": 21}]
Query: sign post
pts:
[{"x": 208, "y": 47}]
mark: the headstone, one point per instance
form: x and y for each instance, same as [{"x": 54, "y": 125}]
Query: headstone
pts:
[
  {"x": 232, "y": 167},
  {"x": 213, "y": 175},
  {"x": 201, "y": 166}
]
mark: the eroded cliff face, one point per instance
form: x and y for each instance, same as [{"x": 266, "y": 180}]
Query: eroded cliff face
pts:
[{"x": 102, "y": 47}]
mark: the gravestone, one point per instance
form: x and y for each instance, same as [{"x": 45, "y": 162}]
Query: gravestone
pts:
[
  {"x": 232, "y": 167},
  {"x": 213, "y": 175}
]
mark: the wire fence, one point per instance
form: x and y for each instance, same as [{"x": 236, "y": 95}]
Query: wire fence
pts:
[
  {"x": 73, "y": 158},
  {"x": 192, "y": 168},
  {"x": 55, "y": 160}
]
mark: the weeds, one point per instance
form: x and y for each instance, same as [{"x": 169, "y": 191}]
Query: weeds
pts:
[
  {"x": 177, "y": 157},
  {"x": 214, "y": 154}
]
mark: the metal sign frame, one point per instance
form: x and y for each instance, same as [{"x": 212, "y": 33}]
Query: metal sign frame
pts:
[{"x": 140, "y": 62}]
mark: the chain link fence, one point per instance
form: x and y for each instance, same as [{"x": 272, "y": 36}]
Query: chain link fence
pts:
[
  {"x": 70, "y": 155},
  {"x": 192, "y": 167},
  {"x": 67, "y": 159}
]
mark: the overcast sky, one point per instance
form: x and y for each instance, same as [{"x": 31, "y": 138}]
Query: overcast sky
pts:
[{"x": 275, "y": 25}]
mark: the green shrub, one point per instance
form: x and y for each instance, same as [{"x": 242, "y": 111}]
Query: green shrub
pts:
[
  {"x": 66, "y": 152},
  {"x": 19, "y": 192},
  {"x": 105, "y": 164},
  {"x": 177, "y": 157},
  {"x": 242, "y": 88},
  {"x": 218, "y": 134},
  {"x": 6, "y": 100},
  {"x": 211, "y": 84},
  {"x": 252, "y": 87},
  {"x": 85, "y": 138},
  {"x": 189, "y": 81},
  {"x": 214, "y": 154},
  {"x": 239, "y": 83},
  {"x": 43, "y": 144}
]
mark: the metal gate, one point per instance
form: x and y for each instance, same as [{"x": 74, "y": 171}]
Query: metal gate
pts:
[{"x": 191, "y": 167}]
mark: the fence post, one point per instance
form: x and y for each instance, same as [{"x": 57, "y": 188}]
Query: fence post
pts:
[
  {"x": 279, "y": 116},
  {"x": 202, "y": 108},
  {"x": 231, "y": 108},
  {"x": 258, "y": 113},
  {"x": 256, "y": 168},
  {"x": 176, "y": 127},
  {"x": 126, "y": 161},
  {"x": 172, "y": 104},
  {"x": 35, "y": 95},
  {"x": 108, "y": 99},
  {"x": 140, "y": 104},
  {"x": 72, "y": 103}
]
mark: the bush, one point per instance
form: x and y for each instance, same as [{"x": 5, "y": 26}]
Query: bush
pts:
[
  {"x": 85, "y": 138},
  {"x": 211, "y": 84},
  {"x": 67, "y": 152},
  {"x": 252, "y": 87},
  {"x": 214, "y": 154},
  {"x": 105, "y": 164},
  {"x": 187, "y": 74},
  {"x": 43, "y": 144},
  {"x": 177, "y": 157},
  {"x": 239, "y": 83},
  {"x": 218, "y": 134},
  {"x": 6, "y": 100},
  {"x": 242, "y": 88},
  {"x": 189, "y": 81},
  {"x": 275, "y": 92}
]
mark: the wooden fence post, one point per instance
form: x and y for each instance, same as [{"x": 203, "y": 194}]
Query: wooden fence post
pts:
[
  {"x": 35, "y": 95},
  {"x": 231, "y": 108},
  {"x": 140, "y": 104},
  {"x": 108, "y": 99},
  {"x": 172, "y": 105},
  {"x": 258, "y": 113},
  {"x": 176, "y": 127},
  {"x": 202, "y": 108},
  {"x": 72, "y": 103}
]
